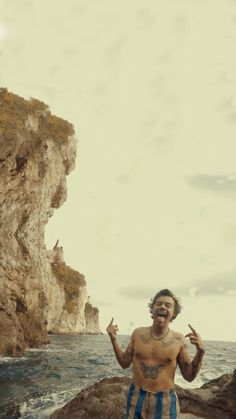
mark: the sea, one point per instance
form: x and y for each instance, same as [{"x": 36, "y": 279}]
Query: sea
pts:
[{"x": 33, "y": 385}]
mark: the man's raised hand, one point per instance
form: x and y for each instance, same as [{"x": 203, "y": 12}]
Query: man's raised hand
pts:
[
  {"x": 195, "y": 339},
  {"x": 112, "y": 329}
]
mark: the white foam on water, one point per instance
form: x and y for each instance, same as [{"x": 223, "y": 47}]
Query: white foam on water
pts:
[
  {"x": 45, "y": 413},
  {"x": 42, "y": 407},
  {"x": 49, "y": 349},
  {"x": 22, "y": 408},
  {"x": 12, "y": 359},
  {"x": 198, "y": 382}
]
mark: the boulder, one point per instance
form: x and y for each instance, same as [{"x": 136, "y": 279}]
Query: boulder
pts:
[
  {"x": 107, "y": 399},
  {"x": 215, "y": 399}
]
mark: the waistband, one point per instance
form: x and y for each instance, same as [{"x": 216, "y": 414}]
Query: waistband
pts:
[{"x": 169, "y": 392}]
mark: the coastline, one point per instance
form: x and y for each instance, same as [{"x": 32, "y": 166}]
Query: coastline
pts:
[{"x": 89, "y": 356}]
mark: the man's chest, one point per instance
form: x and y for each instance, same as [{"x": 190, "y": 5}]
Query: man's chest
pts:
[{"x": 163, "y": 351}]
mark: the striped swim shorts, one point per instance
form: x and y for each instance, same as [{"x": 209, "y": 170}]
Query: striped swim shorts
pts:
[{"x": 143, "y": 404}]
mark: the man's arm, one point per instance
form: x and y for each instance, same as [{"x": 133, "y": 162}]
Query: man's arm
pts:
[
  {"x": 124, "y": 358},
  {"x": 189, "y": 369}
]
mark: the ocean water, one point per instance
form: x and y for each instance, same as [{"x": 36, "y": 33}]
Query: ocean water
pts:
[{"x": 32, "y": 386}]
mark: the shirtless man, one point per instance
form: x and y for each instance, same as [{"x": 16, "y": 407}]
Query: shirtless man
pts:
[{"x": 154, "y": 353}]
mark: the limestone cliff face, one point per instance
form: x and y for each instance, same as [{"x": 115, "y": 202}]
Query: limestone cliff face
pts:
[
  {"x": 37, "y": 151},
  {"x": 91, "y": 318},
  {"x": 70, "y": 313}
]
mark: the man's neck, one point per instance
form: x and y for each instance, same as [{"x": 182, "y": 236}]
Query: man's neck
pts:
[{"x": 159, "y": 331}]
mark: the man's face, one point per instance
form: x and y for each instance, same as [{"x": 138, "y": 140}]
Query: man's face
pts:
[{"x": 163, "y": 310}]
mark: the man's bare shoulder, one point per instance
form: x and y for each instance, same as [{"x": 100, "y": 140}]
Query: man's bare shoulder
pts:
[
  {"x": 139, "y": 330},
  {"x": 144, "y": 331},
  {"x": 177, "y": 337}
]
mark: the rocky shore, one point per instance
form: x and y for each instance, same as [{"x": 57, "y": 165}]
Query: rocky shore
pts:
[
  {"x": 39, "y": 293},
  {"x": 107, "y": 399}
]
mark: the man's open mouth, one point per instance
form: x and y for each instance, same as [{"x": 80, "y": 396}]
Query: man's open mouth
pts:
[{"x": 161, "y": 314}]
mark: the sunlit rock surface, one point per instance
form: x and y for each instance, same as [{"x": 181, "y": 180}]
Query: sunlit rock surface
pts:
[
  {"x": 71, "y": 312},
  {"x": 107, "y": 399},
  {"x": 215, "y": 399},
  {"x": 37, "y": 152}
]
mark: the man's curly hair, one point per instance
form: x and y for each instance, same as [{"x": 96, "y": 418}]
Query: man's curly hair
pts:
[{"x": 167, "y": 293}]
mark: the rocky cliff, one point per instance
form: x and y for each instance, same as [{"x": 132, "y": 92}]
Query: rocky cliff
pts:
[
  {"x": 71, "y": 311},
  {"x": 38, "y": 291}
]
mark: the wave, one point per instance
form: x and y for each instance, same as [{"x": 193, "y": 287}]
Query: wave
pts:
[
  {"x": 12, "y": 360},
  {"x": 41, "y": 407}
]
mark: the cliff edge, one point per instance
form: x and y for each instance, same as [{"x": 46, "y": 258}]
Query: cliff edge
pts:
[{"x": 38, "y": 291}]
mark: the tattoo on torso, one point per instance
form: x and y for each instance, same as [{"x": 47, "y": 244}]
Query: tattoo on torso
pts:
[
  {"x": 171, "y": 341},
  {"x": 145, "y": 339},
  {"x": 151, "y": 371}
]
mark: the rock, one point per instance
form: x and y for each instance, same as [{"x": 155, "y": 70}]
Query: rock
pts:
[
  {"x": 103, "y": 400},
  {"x": 215, "y": 399},
  {"x": 37, "y": 152},
  {"x": 70, "y": 313},
  {"x": 107, "y": 399}
]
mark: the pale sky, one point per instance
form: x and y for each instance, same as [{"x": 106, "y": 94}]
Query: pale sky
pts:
[{"x": 150, "y": 88}]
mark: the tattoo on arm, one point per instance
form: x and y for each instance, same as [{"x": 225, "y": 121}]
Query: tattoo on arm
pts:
[
  {"x": 196, "y": 364},
  {"x": 194, "y": 369},
  {"x": 151, "y": 371},
  {"x": 187, "y": 364},
  {"x": 191, "y": 369}
]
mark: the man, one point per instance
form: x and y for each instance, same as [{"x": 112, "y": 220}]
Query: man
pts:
[{"x": 154, "y": 353}]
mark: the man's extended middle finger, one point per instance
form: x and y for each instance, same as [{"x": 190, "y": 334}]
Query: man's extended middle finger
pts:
[{"x": 194, "y": 340}]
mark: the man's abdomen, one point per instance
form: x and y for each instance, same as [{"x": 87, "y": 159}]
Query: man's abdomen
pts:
[{"x": 153, "y": 378}]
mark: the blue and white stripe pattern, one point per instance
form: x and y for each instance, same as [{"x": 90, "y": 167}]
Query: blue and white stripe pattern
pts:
[{"x": 143, "y": 404}]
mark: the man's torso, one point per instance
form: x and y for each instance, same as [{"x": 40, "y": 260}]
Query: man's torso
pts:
[{"x": 154, "y": 361}]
